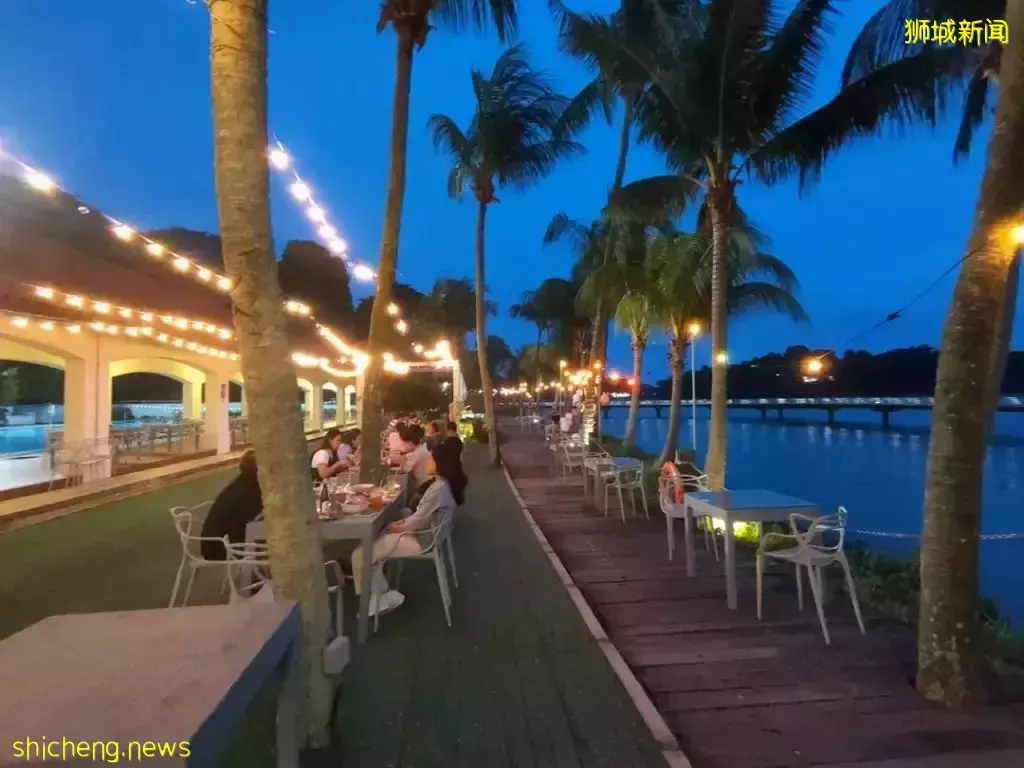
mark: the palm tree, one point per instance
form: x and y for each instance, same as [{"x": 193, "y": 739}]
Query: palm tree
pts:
[
  {"x": 528, "y": 309},
  {"x": 634, "y": 314},
  {"x": 411, "y": 20},
  {"x": 501, "y": 359},
  {"x": 515, "y": 138},
  {"x": 977, "y": 333},
  {"x": 449, "y": 309},
  {"x": 682, "y": 266},
  {"x": 549, "y": 307},
  {"x": 597, "y": 41},
  {"x": 238, "y": 59}
]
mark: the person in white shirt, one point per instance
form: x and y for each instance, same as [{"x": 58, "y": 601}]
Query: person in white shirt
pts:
[
  {"x": 398, "y": 445},
  {"x": 408, "y": 536},
  {"x": 332, "y": 457},
  {"x": 415, "y": 462},
  {"x": 565, "y": 423}
]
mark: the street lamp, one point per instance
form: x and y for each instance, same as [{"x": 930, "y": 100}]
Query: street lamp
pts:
[{"x": 694, "y": 331}]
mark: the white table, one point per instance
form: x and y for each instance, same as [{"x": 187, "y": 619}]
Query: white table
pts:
[
  {"x": 756, "y": 506},
  {"x": 361, "y": 528},
  {"x": 171, "y": 675},
  {"x": 597, "y": 465}
]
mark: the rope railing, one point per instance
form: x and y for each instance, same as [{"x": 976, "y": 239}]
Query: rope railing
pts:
[{"x": 897, "y": 535}]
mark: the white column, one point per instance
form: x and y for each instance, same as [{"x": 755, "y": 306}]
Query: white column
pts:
[
  {"x": 315, "y": 408},
  {"x": 245, "y": 403},
  {"x": 216, "y": 431},
  {"x": 191, "y": 400}
]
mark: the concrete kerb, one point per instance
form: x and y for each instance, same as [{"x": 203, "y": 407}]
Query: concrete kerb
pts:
[{"x": 670, "y": 749}]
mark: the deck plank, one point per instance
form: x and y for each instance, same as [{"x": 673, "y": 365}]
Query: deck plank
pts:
[{"x": 739, "y": 693}]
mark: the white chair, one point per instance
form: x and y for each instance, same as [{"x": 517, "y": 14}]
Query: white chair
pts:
[
  {"x": 572, "y": 457},
  {"x": 812, "y": 553},
  {"x": 249, "y": 578},
  {"x": 667, "y": 490},
  {"x": 184, "y": 520},
  {"x": 628, "y": 478},
  {"x": 433, "y": 542}
]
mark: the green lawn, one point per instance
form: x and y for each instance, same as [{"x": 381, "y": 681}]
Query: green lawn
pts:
[{"x": 517, "y": 681}]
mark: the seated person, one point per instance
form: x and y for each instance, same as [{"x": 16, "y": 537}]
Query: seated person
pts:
[
  {"x": 349, "y": 450},
  {"x": 565, "y": 423},
  {"x": 452, "y": 438},
  {"x": 237, "y": 505},
  {"x": 398, "y": 446},
  {"x": 415, "y": 462},
  {"x": 326, "y": 462},
  {"x": 447, "y": 486},
  {"x": 433, "y": 435}
]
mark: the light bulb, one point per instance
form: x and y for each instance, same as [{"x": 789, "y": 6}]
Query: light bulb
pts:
[
  {"x": 300, "y": 191},
  {"x": 279, "y": 158},
  {"x": 39, "y": 181}
]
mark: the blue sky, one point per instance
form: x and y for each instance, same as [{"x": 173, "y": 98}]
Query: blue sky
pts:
[{"x": 113, "y": 98}]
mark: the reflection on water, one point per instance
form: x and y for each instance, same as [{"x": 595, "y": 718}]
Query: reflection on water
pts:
[{"x": 877, "y": 475}]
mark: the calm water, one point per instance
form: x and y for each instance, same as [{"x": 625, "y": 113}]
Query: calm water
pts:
[{"x": 878, "y": 476}]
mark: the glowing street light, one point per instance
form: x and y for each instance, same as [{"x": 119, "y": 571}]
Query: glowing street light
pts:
[
  {"x": 694, "y": 329},
  {"x": 814, "y": 365},
  {"x": 722, "y": 357}
]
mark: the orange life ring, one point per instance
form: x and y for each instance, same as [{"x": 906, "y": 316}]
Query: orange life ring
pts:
[{"x": 669, "y": 470}]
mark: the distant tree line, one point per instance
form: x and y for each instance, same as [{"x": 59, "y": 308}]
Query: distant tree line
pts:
[{"x": 907, "y": 372}]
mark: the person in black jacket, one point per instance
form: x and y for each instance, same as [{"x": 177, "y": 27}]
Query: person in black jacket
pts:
[
  {"x": 237, "y": 505},
  {"x": 452, "y": 438}
]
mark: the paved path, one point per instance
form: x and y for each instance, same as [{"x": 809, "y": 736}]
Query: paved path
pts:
[
  {"x": 743, "y": 694},
  {"x": 517, "y": 680}
]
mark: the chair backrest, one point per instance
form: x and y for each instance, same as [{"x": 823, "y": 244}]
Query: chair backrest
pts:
[
  {"x": 184, "y": 522},
  {"x": 814, "y": 537},
  {"x": 248, "y": 576}
]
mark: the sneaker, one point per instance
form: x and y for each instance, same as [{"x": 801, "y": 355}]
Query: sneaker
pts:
[{"x": 381, "y": 604}]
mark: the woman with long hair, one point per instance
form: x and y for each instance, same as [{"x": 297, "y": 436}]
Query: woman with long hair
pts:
[{"x": 444, "y": 488}]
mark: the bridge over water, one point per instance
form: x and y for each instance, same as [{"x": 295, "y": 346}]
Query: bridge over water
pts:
[{"x": 885, "y": 406}]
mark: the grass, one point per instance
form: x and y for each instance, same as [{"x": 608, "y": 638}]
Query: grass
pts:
[{"x": 517, "y": 680}]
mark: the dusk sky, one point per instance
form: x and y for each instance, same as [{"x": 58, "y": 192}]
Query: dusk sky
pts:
[{"x": 112, "y": 98}]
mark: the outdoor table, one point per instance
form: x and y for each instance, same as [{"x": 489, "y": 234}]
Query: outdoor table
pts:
[
  {"x": 757, "y": 506},
  {"x": 363, "y": 528},
  {"x": 170, "y": 675}
]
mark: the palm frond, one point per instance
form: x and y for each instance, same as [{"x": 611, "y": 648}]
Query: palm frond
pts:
[
  {"x": 595, "y": 98},
  {"x": 882, "y": 40},
  {"x": 656, "y": 198},
  {"x": 786, "y": 71},
  {"x": 478, "y": 14},
  {"x": 753, "y": 296},
  {"x": 901, "y": 93},
  {"x": 975, "y": 110}
]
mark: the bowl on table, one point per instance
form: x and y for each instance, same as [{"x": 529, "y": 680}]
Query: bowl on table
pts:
[{"x": 362, "y": 488}]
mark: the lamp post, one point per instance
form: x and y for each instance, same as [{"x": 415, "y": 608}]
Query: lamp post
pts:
[{"x": 694, "y": 331}]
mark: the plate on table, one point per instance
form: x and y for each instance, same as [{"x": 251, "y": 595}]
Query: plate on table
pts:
[{"x": 362, "y": 488}]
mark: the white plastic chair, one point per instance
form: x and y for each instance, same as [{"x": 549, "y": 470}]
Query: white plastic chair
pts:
[
  {"x": 437, "y": 538},
  {"x": 677, "y": 510},
  {"x": 627, "y": 478},
  {"x": 249, "y": 578},
  {"x": 811, "y": 553},
  {"x": 572, "y": 457},
  {"x": 184, "y": 520}
]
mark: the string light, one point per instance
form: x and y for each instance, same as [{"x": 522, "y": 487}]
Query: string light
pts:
[
  {"x": 104, "y": 307},
  {"x": 41, "y": 182}
]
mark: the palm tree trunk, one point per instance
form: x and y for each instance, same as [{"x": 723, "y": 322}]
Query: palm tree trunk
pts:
[
  {"x": 481, "y": 333},
  {"x": 238, "y": 59},
  {"x": 676, "y": 355},
  {"x": 634, "y": 395},
  {"x": 380, "y": 321},
  {"x": 536, "y": 361},
  {"x": 720, "y": 202},
  {"x": 947, "y": 621}
]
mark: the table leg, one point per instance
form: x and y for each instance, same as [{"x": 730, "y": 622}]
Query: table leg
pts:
[
  {"x": 364, "y": 598},
  {"x": 586, "y": 482},
  {"x": 288, "y": 710},
  {"x": 730, "y": 565},
  {"x": 691, "y": 564}
]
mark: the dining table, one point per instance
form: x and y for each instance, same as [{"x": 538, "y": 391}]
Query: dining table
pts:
[
  {"x": 751, "y": 506},
  {"x": 351, "y": 523},
  {"x": 600, "y": 465}
]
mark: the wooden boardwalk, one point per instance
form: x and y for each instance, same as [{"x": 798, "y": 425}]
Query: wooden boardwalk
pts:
[{"x": 739, "y": 693}]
